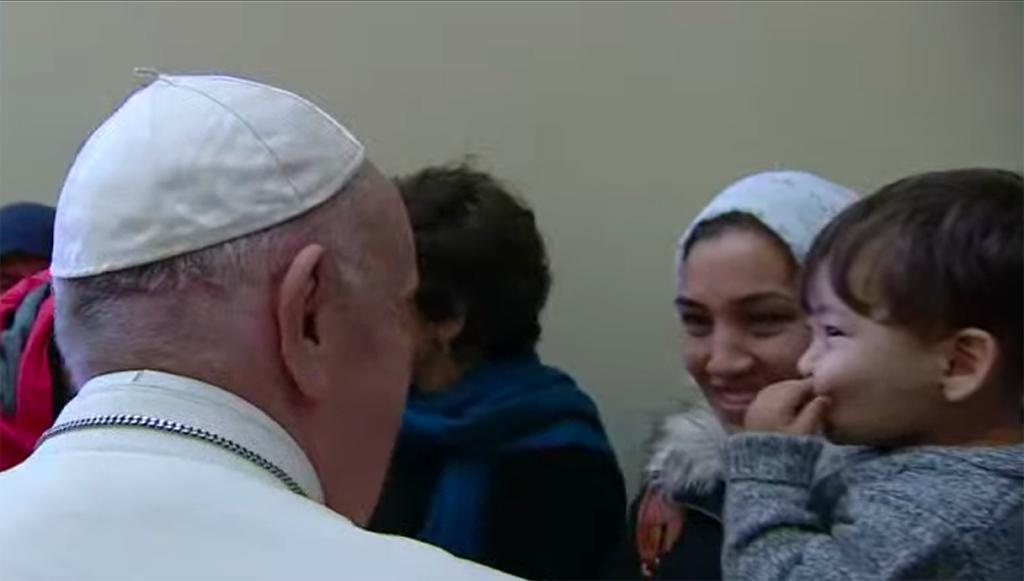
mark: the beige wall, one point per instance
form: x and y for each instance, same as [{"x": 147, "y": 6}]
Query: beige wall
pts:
[{"x": 616, "y": 120}]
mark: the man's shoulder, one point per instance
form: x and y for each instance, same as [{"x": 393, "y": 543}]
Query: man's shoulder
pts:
[{"x": 122, "y": 516}]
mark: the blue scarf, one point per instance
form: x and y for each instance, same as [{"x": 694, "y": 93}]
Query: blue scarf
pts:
[{"x": 501, "y": 407}]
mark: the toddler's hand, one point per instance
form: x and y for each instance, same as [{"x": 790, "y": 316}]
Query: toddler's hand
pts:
[{"x": 789, "y": 407}]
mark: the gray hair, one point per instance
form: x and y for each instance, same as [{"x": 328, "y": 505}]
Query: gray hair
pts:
[{"x": 92, "y": 313}]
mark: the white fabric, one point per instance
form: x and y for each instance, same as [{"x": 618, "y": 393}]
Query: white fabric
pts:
[
  {"x": 199, "y": 405},
  {"x": 188, "y": 162},
  {"x": 795, "y": 205},
  {"x": 132, "y": 503}
]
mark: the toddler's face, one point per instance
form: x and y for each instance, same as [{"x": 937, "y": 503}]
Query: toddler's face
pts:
[{"x": 884, "y": 381}]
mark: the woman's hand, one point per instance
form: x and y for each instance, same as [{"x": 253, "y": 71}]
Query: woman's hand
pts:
[{"x": 789, "y": 407}]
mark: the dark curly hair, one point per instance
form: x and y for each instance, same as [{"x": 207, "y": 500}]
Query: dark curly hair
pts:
[{"x": 480, "y": 257}]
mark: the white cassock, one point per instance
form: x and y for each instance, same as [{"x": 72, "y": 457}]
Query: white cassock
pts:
[{"x": 205, "y": 486}]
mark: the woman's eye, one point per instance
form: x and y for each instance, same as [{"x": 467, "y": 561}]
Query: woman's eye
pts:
[
  {"x": 832, "y": 331},
  {"x": 695, "y": 325},
  {"x": 769, "y": 324},
  {"x": 691, "y": 317},
  {"x": 771, "y": 318}
]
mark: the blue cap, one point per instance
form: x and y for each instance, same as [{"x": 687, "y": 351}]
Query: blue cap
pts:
[{"x": 27, "y": 228}]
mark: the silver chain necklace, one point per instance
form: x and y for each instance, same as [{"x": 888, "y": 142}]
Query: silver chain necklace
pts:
[{"x": 137, "y": 421}]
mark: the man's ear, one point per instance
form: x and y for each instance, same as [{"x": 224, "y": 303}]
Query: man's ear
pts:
[
  {"x": 970, "y": 357},
  {"x": 299, "y": 300}
]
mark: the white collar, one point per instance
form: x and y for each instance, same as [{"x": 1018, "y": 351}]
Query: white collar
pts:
[{"x": 199, "y": 405}]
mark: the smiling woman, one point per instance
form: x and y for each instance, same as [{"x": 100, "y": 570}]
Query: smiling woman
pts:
[
  {"x": 743, "y": 328},
  {"x": 742, "y": 323}
]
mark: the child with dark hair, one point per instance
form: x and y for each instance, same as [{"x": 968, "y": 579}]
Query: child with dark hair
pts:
[{"x": 915, "y": 297}]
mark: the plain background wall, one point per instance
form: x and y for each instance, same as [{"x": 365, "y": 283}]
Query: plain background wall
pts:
[{"x": 617, "y": 121}]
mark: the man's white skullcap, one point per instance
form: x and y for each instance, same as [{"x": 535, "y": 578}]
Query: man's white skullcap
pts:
[{"x": 192, "y": 161}]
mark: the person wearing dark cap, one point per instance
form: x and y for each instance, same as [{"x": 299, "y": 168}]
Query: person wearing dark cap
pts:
[
  {"x": 32, "y": 386},
  {"x": 26, "y": 241}
]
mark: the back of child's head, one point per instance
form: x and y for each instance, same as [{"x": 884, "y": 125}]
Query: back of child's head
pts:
[{"x": 935, "y": 253}]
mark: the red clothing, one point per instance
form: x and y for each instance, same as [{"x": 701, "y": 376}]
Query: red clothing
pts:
[{"x": 33, "y": 413}]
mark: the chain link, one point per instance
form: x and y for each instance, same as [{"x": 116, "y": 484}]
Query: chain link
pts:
[{"x": 137, "y": 421}]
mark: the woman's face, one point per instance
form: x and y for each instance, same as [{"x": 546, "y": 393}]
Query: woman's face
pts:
[{"x": 743, "y": 328}]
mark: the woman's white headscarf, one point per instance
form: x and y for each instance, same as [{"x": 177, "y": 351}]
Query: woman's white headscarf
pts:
[{"x": 795, "y": 205}]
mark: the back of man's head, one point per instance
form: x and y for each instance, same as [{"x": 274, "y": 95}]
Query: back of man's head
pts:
[{"x": 232, "y": 232}]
